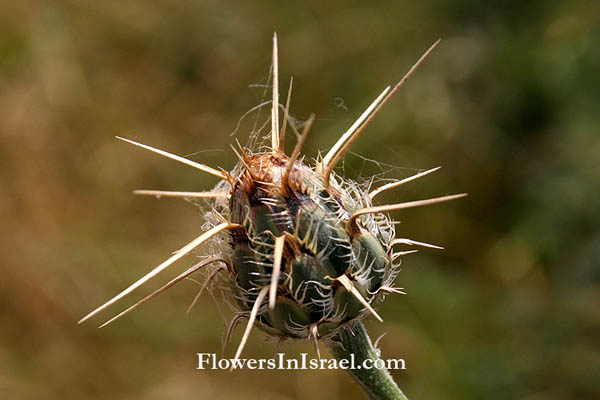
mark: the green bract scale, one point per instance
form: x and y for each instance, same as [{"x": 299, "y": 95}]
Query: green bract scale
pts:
[{"x": 306, "y": 253}]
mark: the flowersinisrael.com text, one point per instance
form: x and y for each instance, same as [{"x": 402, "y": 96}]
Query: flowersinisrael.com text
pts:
[{"x": 210, "y": 361}]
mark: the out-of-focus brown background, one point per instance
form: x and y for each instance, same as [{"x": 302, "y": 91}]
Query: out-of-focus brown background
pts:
[{"x": 508, "y": 105}]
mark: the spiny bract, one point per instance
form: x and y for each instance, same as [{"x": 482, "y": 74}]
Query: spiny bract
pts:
[{"x": 306, "y": 252}]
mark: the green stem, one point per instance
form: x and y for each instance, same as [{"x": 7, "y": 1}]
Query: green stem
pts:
[{"x": 354, "y": 343}]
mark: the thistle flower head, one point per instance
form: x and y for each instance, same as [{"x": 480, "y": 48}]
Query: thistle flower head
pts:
[
  {"x": 305, "y": 251},
  {"x": 294, "y": 240}
]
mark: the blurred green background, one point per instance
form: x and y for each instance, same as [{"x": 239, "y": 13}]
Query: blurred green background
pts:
[{"x": 508, "y": 105}]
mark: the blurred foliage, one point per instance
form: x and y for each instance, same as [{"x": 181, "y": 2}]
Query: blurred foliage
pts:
[{"x": 508, "y": 104}]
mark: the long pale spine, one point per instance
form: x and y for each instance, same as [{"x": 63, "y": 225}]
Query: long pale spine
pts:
[{"x": 377, "y": 384}]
